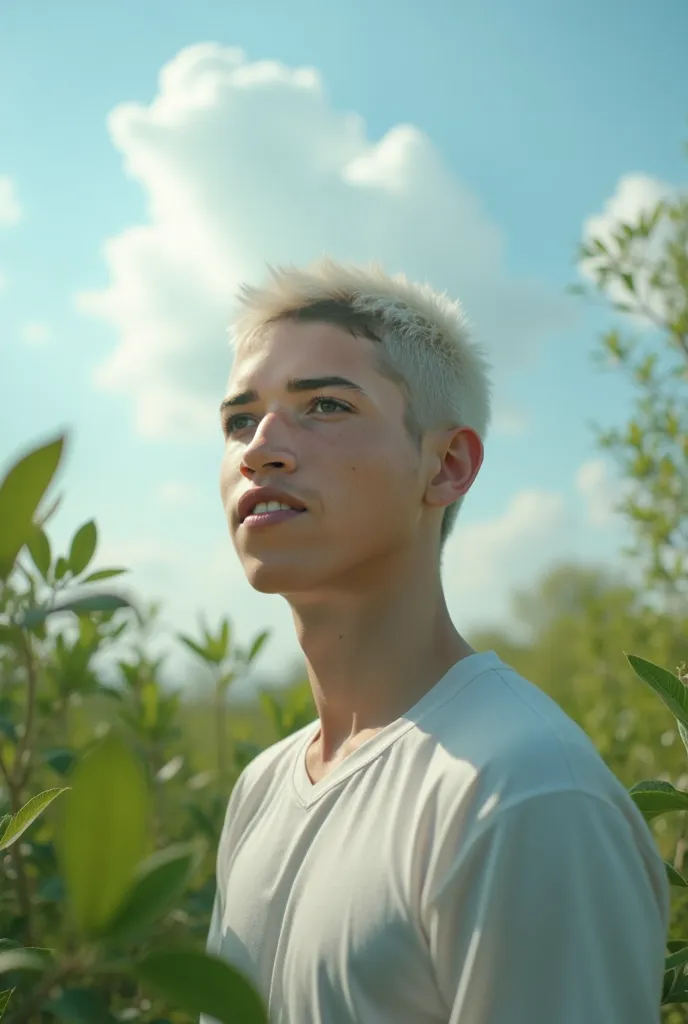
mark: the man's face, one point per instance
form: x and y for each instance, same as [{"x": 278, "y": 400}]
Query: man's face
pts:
[{"x": 344, "y": 453}]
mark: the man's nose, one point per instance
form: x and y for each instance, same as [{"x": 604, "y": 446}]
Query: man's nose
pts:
[{"x": 269, "y": 448}]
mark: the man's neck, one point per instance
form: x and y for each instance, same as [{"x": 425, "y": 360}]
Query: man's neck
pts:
[{"x": 373, "y": 649}]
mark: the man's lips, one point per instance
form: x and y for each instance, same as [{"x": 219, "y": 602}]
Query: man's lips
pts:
[
  {"x": 256, "y": 495},
  {"x": 271, "y": 518}
]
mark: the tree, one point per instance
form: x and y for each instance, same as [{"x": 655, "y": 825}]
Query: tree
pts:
[{"x": 641, "y": 268}]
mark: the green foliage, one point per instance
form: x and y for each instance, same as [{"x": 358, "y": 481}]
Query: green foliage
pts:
[
  {"x": 115, "y": 878},
  {"x": 643, "y": 272},
  {"x": 121, "y": 908}
]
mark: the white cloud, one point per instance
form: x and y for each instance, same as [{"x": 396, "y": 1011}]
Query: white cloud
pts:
[
  {"x": 36, "y": 333},
  {"x": 10, "y": 207},
  {"x": 247, "y": 163},
  {"x": 635, "y": 195},
  {"x": 601, "y": 491}
]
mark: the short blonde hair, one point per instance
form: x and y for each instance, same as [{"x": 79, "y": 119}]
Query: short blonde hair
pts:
[{"x": 423, "y": 338}]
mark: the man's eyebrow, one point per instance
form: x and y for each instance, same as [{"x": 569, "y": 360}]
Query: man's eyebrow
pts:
[{"x": 293, "y": 385}]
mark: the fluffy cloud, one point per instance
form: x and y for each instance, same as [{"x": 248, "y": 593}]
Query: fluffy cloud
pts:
[
  {"x": 601, "y": 491},
  {"x": 10, "y": 207},
  {"x": 36, "y": 333},
  {"x": 244, "y": 164}
]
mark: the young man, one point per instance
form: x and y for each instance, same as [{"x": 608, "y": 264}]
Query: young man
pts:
[{"x": 442, "y": 844}]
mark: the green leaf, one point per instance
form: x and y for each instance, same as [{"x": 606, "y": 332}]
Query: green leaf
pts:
[
  {"x": 22, "y": 959},
  {"x": 39, "y": 549},
  {"x": 257, "y": 645},
  {"x": 61, "y": 568},
  {"x": 4, "y": 822},
  {"x": 628, "y": 281},
  {"x": 20, "y": 495},
  {"x": 199, "y": 983},
  {"x": 668, "y": 686},
  {"x": 674, "y": 877},
  {"x": 60, "y": 760},
  {"x": 5, "y": 997},
  {"x": 81, "y": 1006},
  {"x": 79, "y": 605},
  {"x": 109, "y": 796},
  {"x": 103, "y": 574},
  {"x": 27, "y": 815},
  {"x": 676, "y": 959},
  {"x": 160, "y": 881},
  {"x": 653, "y": 797},
  {"x": 83, "y": 547},
  {"x": 200, "y": 651}
]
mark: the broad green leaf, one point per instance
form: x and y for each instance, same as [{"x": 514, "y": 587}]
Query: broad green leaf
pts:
[
  {"x": 5, "y": 997},
  {"x": 4, "y": 822},
  {"x": 653, "y": 797},
  {"x": 103, "y": 832},
  {"x": 667, "y": 985},
  {"x": 676, "y": 959},
  {"x": 103, "y": 574},
  {"x": 674, "y": 877},
  {"x": 199, "y": 983},
  {"x": 23, "y": 959},
  {"x": 20, "y": 495},
  {"x": 39, "y": 549},
  {"x": 27, "y": 815},
  {"x": 81, "y": 1006},
  {"x": 83, "y": 547},
  {"x": 161, "y": 879},
  {"x": 79, "y": 606},
  {"x": 678, "y": 994},
  {"x": 666, "y": 685}
]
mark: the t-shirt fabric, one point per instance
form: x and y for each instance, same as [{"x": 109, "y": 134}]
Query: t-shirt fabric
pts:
[{"x": 474, "y": 862}]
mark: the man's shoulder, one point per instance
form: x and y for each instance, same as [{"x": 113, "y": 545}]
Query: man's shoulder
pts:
[{"x": 509, "y": 737}]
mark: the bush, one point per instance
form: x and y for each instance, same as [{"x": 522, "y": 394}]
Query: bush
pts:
[{"x": 107, "y": 834}]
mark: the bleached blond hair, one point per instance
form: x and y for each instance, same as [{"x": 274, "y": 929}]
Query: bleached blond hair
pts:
[{"x": 423, "y": 339}]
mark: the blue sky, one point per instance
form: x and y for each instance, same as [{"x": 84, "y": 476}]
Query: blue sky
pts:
[{"x": 530, "y": 115}]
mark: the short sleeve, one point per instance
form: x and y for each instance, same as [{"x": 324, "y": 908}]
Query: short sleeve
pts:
[{"x": 556, "y": 911}]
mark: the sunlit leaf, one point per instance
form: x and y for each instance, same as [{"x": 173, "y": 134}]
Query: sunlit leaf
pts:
[
  {"x": 654, "y": 797},
  {"x": 83, "y": 547},
  {"x": 39, "y": 549},
  {"x": 110, "y": 794},
  {"x": 103, "y": 574},
  {"x": 666, "y": 685},
  {"x": 27, "y": 815},
  {"x": 20, "y": 495},
  {"x": 675, "y": 878}
]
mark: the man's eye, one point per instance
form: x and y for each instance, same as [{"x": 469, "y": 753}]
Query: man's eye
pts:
[
  {"x": 339, "y": 406},
  {"x": 232, "y": 423}
]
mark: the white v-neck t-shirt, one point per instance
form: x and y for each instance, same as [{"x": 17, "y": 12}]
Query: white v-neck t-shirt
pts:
[{"x": 474, "y": 862}]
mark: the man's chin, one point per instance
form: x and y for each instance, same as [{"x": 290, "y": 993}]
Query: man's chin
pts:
[{"x": 269, "y": 578}]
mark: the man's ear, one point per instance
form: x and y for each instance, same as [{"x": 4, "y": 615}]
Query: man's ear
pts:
[{"x": 459, "y": 452}]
